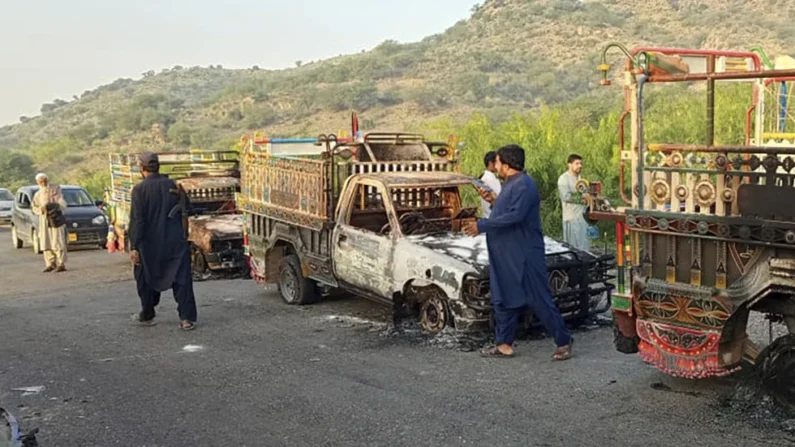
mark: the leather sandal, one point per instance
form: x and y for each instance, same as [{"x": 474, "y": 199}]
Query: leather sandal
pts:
[{"x": 563, "y": 352}]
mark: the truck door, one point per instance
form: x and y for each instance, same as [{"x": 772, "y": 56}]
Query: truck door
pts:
[{"x": 363, "y": 241}]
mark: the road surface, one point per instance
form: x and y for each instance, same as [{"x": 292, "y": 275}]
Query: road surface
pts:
[{"x": 259, "y": 373}]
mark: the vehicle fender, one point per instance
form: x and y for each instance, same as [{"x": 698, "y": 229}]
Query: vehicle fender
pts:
[{"x": 266, "y": 253}]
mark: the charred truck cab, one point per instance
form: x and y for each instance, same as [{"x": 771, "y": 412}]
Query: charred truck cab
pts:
[
  {"x": 710, "y": 225},
  {"x": 211, "y": 179},
  {"x": 381, "y": 218}
]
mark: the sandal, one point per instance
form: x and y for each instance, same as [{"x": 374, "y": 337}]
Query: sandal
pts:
[
  {"x": 136, "y": 318},
  {"x": 186, "y": 325},
  {"x": 563, "y": 352},
  {"x": 494, "y": 353}
]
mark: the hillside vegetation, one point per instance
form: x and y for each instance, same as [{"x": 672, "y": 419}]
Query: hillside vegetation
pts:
[{"x": 510, "y": 56}]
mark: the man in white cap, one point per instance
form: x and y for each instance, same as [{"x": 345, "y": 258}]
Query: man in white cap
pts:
[{"x": 49, "y": 204}]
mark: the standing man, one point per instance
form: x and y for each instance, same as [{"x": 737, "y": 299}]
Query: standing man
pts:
[
  {"x": 158, "y": 247},
  {"x": 49, "y": 205},
  {"x": 491, "y": 180},
  {"x": 517, "y": 259},
  {"x": 575, "y": 228}
]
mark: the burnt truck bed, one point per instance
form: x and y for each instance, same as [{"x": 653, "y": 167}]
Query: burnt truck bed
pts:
[{"x": 580, "y": 281}]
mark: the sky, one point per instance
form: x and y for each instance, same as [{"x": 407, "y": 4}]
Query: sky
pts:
[{"x": 59, "y": 48}]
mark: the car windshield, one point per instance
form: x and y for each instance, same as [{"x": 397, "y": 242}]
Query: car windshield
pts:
[
  {"x": 76, "y": 197},
  {"x": 5, "y": 195}
]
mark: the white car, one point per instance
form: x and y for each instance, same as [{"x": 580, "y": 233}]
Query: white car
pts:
[{"x": 6, "y": 206}]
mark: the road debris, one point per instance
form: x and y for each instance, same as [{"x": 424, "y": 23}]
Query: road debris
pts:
[
  {"x": 29, "y": 390},
  {"x": 192, "y": 348},
  {"x": 750, "y": 402}
]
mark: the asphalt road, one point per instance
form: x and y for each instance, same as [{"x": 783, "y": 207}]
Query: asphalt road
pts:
[{"x": 259, "y": 373}]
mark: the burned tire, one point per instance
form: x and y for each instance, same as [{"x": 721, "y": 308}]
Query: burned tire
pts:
[
  {"x": 293, "y": 287},
  {"x": 15, "y": 238},
  {"x": 434, "y": 313},
  {"x": 624, "y": 344},
  {"x": 198, "y": 264},
  {"x": 777, "y": 369}
]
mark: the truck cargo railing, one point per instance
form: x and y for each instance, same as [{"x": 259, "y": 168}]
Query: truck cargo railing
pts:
[
  {"x": 290, "y": 189},
  {"x": 125, "y": 174},
  {"x": 303, "y": 190}
]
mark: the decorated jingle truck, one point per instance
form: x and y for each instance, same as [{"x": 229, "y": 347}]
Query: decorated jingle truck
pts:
[
  {"x": 711, "y": 226},
  {"x": 210, "y": 179},
  {"x": 381, "y": 218}
]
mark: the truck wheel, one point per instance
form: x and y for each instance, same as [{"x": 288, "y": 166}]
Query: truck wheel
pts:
[
  {"x": 198, "y": 264},
  {"x": 34, "y": 239},
  {"x": 293, "y": 286},
  {"x": 15, "y": 238},
  {"x": 777, "y": 369},
  {"x": 624, "y": 344},
  {"x": 434, "y": 314}
]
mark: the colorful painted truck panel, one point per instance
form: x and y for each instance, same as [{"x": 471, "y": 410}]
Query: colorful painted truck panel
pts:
[{"x": 711, "y": 226}]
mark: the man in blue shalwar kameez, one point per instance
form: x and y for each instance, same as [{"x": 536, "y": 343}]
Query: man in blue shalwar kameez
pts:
[{"x": 517, "y": 261}]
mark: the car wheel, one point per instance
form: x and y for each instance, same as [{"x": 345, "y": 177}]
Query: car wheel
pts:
[
  {"x": 35, "y": 242},
  {"x": 15, "y": 238},
  {"x": 293, "y": 286},
  {"x": 434, "y": 314}
]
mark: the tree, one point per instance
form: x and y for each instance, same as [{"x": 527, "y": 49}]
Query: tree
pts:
[
  {"x": 298, "y": 63},
  {"x": 180, "y": 134},
  {"x": 16, "y": 168}
]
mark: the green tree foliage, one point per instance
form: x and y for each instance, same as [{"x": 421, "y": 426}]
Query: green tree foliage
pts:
[
  {"x": 589, "y": 127},
  {"x": 94, "y": 182},
  {"x": 144, "y": 111},
  {"x": 16, "y": 169}
]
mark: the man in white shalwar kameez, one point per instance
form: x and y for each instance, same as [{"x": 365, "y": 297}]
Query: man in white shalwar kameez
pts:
[
  {"x": 51, "y": 240},
  {"x": 575, "y": 227}
]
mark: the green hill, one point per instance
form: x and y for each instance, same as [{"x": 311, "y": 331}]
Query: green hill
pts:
[{"x": 509, "y": 56}]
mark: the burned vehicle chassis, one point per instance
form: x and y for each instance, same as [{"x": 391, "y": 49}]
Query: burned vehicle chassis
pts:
[
  {"x": 390, "y": 232},
  {"x": 581, "y": 284}
]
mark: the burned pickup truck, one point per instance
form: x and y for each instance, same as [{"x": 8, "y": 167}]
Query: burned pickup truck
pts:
[
  {"x": 381, "y": 218},
  {"x": 211, "y": 180}
]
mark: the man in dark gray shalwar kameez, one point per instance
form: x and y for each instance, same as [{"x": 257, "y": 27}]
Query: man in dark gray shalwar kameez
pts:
[{"x": 159, "y": 247}]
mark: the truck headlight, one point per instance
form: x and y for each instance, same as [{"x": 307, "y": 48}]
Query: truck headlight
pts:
[{"x": 99, "y": 220}]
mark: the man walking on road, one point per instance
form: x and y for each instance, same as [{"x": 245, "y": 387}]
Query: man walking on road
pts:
[
  {"x": 159, "y": 248},
  {"x": 491, "y": 180},
  {"x": 49, "y": 205},
  {"x": 517, "y": 259},
  {"x": 575, "y": 228}
]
